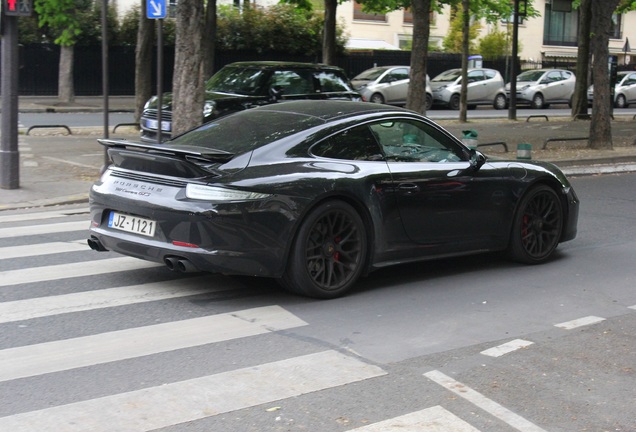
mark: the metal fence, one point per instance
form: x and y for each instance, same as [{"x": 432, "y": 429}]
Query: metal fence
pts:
[{"x": 39, "y": 65}]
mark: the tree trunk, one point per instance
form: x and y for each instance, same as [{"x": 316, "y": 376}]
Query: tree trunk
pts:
[
  {"x": 65, "y": 88},
  {"x": 187, "y": 83},
  {"x": 601, "y": 126},
  {"x": 416, "y": 97},
  {"x": 143, "y": 61},
  {"x": 463, "y": 98},
  {"x": 209, "y": 39},
  {"x": 579, "y": 101},
  {"x": 329, "y": 33}
]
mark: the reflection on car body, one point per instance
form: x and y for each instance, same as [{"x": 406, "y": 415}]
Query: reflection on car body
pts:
[{"x": 318, "y": 194}]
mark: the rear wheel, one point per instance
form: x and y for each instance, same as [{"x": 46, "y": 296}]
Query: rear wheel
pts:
[
  {"x": 377, "y": 98},
  {"x": 621, "y": 102},
  {"x": 328, "y": 253},
  {"x": 537, "y": 226}
]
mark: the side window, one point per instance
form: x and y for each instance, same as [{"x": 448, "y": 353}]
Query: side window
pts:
[
  {"x": 475, "y": 76},
  {"x": 292, "y": 82},
  {"x": 554, "y": 77},
  {"x": 400, "y": 74},
  {"x": 490, "y": 74},
  {"x": 357, "y": 143},
  {"x": 331, "y": 82},
  {"x": 412, "y": 141},
  {"x": 631, "y": 80}
]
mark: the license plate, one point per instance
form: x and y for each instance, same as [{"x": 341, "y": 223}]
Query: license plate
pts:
[
  {"x": 132, "y": 224},
  {"x": 152, "y": 124}
]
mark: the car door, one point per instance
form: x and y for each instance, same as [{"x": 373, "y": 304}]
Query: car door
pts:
[
  {"x": 396, "y": 84},
  {"x": 555, "y": 88},
  {"x": 477, "y": 86},
  {"x": 443, "y": 203}
]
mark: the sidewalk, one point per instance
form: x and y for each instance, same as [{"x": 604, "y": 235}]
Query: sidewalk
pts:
[{"x": 57, "y": 168}]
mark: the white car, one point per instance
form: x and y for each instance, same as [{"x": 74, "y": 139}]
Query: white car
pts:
[
  {"x": 624, "y": 91},
  {"x": 541, "y": 87},
  {"x": 387, "y": 85},
  {"x": 485, "y": 87}
]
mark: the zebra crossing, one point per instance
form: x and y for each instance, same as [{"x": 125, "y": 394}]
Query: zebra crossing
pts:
[{"x": 187, "y": 399}]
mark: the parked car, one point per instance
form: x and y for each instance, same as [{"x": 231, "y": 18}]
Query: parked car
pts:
[
  {"x": 485, "y": 87},
  {"x": 624, "y": 91},
  {"x": 541, "y": 87},
  {"x": 244, "y": 85},
  {"x": 387, "y": 84},
  {"x": 317, "y": 194}
]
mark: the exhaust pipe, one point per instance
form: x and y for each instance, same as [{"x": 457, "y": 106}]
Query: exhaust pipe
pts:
[
  {"x": 96, "y": 245},
  {"x": 172, "y": 263},
  {"x": 186, "y": 266}
]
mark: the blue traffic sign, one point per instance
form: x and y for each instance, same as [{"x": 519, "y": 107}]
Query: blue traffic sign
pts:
[{"x": 156, "y": 9}]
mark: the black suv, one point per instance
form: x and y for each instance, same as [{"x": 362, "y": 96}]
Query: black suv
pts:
[{"x": 243, "y": 85}]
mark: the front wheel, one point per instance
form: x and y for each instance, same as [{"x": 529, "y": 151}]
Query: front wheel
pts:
[
  {"x": 429, "y": 102},
  {"x": 538, "y": 101},
  {"x": 537, "y": 226},
  {"x": 328, "y": 253},
  {"x": 621, "y": 102},
  {"x": 454, "y": 102},
  {"x": 500, "y": 102},
  {"x": 377, "y": 98}
]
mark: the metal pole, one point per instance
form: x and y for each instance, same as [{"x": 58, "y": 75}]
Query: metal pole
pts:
[
  {"x": 159, "y": 77},
  {"x": 9, "y": 154},
  {"x": 105, "y": 73},
  {"x": 512, "y": 108}
]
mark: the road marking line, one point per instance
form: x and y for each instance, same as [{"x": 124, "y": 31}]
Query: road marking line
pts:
[
  {"x": 20, "y": 217},
  {"x": 39, "y": 307},
  {"x": 44, "y": 229},
  {"x": 434, "y": 419},
  {"x": 43, "y": 249},
  {"x": 479, "y": 400},
  {"x": 632, "y": 307},
  {"x": 65, "y": 271},
  {"x": 569, "y": 325},
  {"x": 48, "y": 357},
  {"x": 506, "y": 348},
  {"x": 175, "y": 403},
  {"x": 70, "y": 162}
]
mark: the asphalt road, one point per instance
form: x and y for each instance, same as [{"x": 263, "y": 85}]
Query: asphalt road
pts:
[{"x": 95, "y": 341}]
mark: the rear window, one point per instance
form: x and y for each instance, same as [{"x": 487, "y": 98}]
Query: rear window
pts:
[{"x": 246, "y": 130}]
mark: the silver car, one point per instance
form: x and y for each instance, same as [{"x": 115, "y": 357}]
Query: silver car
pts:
[
  {"x": 624, "y": 91},
  {"x": 541, "y": 87},
  {"x": 387, "y": 85},
  {"x": 485, "y": 87}
]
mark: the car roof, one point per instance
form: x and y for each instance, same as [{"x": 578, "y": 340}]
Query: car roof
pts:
[
  {"x": 331, "y": 109},
  {"x": 277, "y": 65}
]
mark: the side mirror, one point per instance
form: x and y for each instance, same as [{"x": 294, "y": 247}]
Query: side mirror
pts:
[
  {"x": 477, "y": 159},
  {"x": 275, "y": 92}
]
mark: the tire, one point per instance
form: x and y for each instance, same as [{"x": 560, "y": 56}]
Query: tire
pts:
[
  {"x": 621, "y": 102},
  {"x": 500, "y": 102},
  {"x": 329, "y": 252},
  {"x": 377, "y": 98},
  {"x": 537, "y": 101},
  {"x": 537, "y": 226},
  {"x": 453, "y": 103},
  {"x": 429, "y": 102}
]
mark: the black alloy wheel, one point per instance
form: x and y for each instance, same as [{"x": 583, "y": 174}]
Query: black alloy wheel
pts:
[
  {"x": 537, "y": 226},
  {"x": 328, "y": 253}
]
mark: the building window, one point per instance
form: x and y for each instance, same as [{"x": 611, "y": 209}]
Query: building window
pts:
[
  {"x": 616, "y": 29},
  {"x": 358, "y": 15},
  {"x": 408, "y": 17},
  {"x": 560, "y": 28}
]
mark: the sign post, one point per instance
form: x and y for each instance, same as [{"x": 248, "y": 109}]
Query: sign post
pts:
[
  {"x": 156, "y": 9},
  {"x": 9, "y": 154}
]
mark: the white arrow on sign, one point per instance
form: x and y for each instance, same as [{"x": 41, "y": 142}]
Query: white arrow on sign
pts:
[{"x": 156, "y": 9}]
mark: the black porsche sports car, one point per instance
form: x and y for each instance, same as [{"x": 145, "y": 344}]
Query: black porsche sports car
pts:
[{"x": 319, "y": 193}]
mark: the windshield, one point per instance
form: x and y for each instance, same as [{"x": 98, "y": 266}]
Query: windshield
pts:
[
  {"x": 244, "y": 81},
  {"x": 245, "y": 131},
  {"x": 530, "y": 76},
  {"x": 448, "y": 76},
  {"x": 370, "y": 75}
]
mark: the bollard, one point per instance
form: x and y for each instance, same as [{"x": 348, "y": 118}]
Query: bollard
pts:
[
  {"x": 524, "y": 151},
  {"x": 469, "y": 138}
]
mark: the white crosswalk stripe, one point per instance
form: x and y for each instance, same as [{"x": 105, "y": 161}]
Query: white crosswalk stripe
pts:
[{"x": 143, "y": 407}]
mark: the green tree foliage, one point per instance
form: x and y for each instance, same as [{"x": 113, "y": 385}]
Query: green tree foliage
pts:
[
  {"x": 61, "y": 18},
  {"x": 127, "y": 34},
  {"x": 494, "y": 44},
  {"x": 281, "y": 27},
  {"x": 452, "y": 43}
]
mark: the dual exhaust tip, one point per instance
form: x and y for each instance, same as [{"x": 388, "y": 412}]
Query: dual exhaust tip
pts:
[{"x": 174, "y": 263}]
